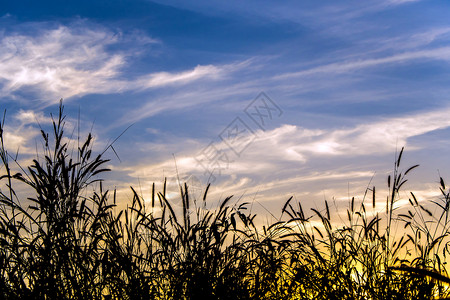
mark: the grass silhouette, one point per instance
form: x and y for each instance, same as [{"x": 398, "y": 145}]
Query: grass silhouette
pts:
[{"x": 66, "y": 240}]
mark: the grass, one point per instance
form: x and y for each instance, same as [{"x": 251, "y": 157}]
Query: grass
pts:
[{"x": 66, "y": 239}]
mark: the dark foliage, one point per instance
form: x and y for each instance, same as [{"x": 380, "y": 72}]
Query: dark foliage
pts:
[{"x": 66, "y": 240}]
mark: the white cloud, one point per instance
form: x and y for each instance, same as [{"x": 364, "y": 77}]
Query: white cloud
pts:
[
  {"x": 17, "y": 139},
  {"x": 202, "y": 94},
  {"x": 279, "y": 152},
  {"x": 60, "y": 62},
  {"x": 442, "y": 53},
  {"x": 403, "y": 42},
  {"x": 290, "y": 160},
  {"x": 20, "y": 132},
  {"x": 65, "y": 62},
  {"x": 399, "y": 2},
  {"x": 166, "y": 78},
  {"x": 31, "y": 117},
  {"x": 380, "y": 137}
]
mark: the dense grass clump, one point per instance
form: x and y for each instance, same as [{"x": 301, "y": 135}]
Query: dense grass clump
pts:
[{"x": 63, "y": 237}]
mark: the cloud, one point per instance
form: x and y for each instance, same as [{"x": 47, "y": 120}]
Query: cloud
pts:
[
  {"x": 65, "y": 62},
  {"x": 291, "y": 9},
  {"x": 166, "y": 78},
  {"x": 442, "y": 53},
  {"x": 60, "y": 62},
  {"x": 193, "y": 95},
  {"x": 379, "y": 137},
  {"x": 289, "y": 159},
  {"x": 399, "y": 2},
  {"x": 26, "y": 117},
  {"x": 276, "y": 152},
  {"x": 20, "y": 131},
  {"x": 414, "y": 41},
  {"x": 19, "y": 139}
]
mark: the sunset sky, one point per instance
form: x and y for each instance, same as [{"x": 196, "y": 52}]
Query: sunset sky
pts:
[{"x": 266, "y": 100}]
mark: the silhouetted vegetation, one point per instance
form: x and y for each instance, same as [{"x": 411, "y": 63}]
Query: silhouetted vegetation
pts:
[{"x": 66, "y": 240}]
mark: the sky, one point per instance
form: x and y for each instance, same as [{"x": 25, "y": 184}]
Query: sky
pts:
[{"x": 264, "y": 100}]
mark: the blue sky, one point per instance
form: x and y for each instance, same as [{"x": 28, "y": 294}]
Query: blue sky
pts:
[{"x": 348, "y": 82}]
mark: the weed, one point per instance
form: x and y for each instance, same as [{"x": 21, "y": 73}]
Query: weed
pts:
[{"x": 68, "y": 241}]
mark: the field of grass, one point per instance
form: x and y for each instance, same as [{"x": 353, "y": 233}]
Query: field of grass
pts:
[{"x": 66, "y": 240}]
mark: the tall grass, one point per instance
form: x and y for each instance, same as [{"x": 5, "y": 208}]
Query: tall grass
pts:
[{"x": 66, "y": 239}]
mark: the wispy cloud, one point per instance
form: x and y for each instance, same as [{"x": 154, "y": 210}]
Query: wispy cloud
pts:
[
  {"x": 18, "y": 139},
  {"x": 399, "y": 2},
  {"x": 166, "y": 78},
  {"x": 284, "y": 161},
  {"x": 291, "y": 10},
  {"x": 290, "y": 145},
  {"x": 380, "y": 137},
  {"x": 64, "y": 62},
  {"x": 195, "y": 95},
  {"x": 61, "y": 62},
  {"x": 26, "y": 117},
  {"x": 442, "y": 53},
  {"x": 22, "y": 133}
]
